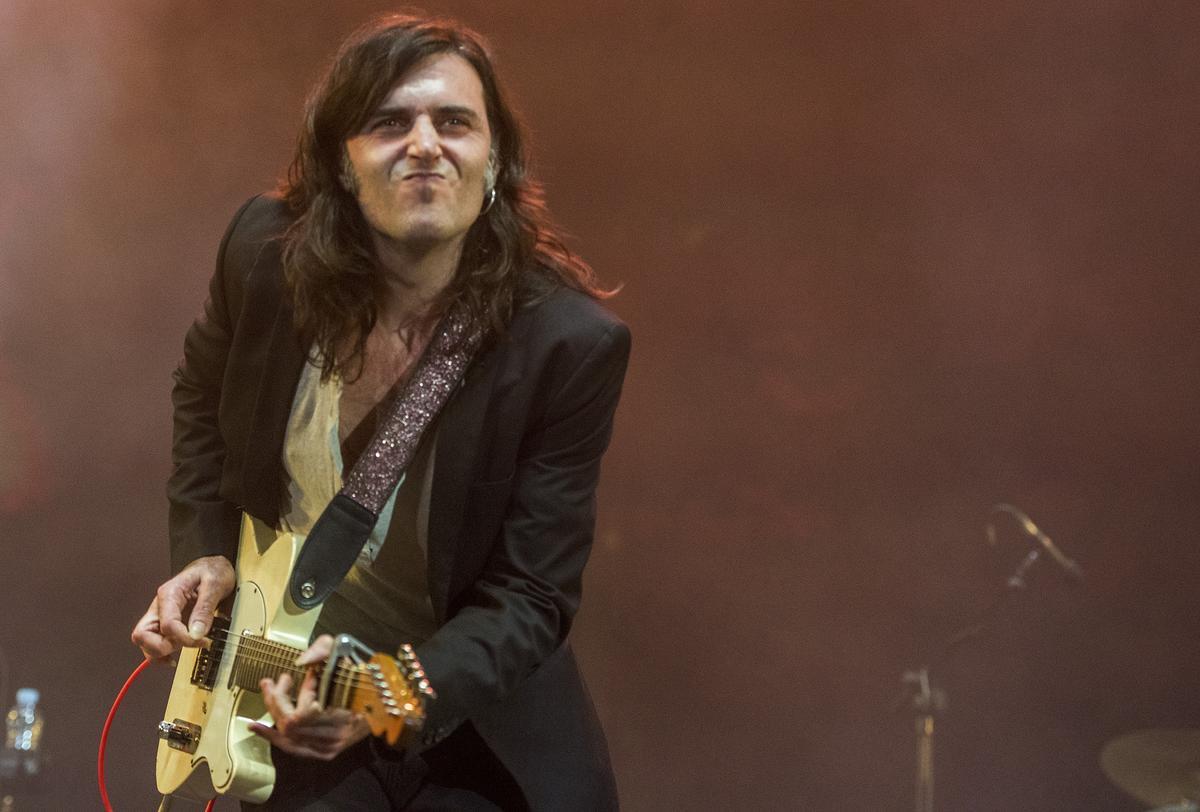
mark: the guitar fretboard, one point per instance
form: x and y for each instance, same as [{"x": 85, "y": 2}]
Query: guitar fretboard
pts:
[{"x": 256, "y": 658}]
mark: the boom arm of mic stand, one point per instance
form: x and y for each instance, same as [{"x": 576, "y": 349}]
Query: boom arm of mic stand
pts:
[
  {"x": 919, "y": 679},
  {"x": 1015, "y": 582}
]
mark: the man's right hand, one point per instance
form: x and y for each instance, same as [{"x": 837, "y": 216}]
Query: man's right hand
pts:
[{"x": 196, "y": 591}]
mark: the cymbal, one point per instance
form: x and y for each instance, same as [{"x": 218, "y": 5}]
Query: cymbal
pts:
[{"x": 1159, "y": 767}]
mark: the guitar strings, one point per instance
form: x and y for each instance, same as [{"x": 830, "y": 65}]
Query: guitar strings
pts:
[
  {"x": 277, "y": 652},
  {"x": 280, "y": 649},
  {"x": 253, "y": 651},
  {"x": 256, "y": 651},
  {"x": 260, "y": 651},
  {"x": 344, "y": 675},
  {"x": 249, "y": 653}
]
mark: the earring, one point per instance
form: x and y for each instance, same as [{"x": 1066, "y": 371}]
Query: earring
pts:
[{"x": 491, "y": 199}]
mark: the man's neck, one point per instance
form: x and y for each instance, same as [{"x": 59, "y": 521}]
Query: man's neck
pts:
[{"x": 414, "y": 276}]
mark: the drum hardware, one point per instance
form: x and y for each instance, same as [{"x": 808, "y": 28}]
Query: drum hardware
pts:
[{"x": 1159, "y": 767}]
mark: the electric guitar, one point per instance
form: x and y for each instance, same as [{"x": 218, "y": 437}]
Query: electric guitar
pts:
[{"x": 206, "y": 747}]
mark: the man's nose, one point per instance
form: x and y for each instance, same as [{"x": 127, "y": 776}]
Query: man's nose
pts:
[{"x": 423, "y": 141}]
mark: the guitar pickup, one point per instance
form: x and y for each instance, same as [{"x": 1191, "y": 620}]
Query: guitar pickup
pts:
[{"x": 208, "y": 658}]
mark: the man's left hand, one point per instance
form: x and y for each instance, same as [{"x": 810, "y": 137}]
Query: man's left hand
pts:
[{"x": 306, "y": 729}]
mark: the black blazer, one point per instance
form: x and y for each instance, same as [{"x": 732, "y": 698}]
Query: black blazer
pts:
[{"x": 512, "y": 507}]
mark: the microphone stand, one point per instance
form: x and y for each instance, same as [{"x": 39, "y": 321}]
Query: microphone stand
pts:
[{"x": 926, "y": 701}]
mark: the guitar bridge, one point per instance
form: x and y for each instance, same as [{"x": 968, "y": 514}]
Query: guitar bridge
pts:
[{"x": 208, "y": 660}]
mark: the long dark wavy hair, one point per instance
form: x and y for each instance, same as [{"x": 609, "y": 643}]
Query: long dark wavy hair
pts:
[{"x": 512, "y": 254}]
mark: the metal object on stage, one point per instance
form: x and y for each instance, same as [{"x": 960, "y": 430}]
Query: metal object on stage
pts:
[
  {"x": 1158, "y": 767},
  {"x": 926, "y": 703},
  {"x": 1067, "y": 565},
  {"x": 923, "y": 697}
]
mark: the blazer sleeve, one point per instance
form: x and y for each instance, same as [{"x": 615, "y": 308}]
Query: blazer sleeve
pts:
[
  {"x": 520, "y": 609},
  {"x": 201, "y": 522}
]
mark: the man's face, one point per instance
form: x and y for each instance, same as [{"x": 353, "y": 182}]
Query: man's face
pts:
[{"x": 420, "y": 162}]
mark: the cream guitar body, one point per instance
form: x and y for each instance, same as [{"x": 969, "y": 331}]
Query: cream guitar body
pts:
[{"x": 206, "y": 747}]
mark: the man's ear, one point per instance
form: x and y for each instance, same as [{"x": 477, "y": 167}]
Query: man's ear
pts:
[
  {"x": 346, "y": 174},
  {"x": 492, "y": 171}
]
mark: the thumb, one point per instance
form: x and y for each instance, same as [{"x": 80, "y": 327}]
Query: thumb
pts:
[{"x": 202, "y": 613}]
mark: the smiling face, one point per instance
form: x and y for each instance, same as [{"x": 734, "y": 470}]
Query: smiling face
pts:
[{"x": 419, "y": 167}]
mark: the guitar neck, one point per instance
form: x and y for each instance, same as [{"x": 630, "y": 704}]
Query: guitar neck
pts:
[
  {"x": 389, "y": 692},
  {"x": 256, "y": 658}
]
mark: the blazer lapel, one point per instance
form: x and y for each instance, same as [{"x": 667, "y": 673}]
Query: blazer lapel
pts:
[{"x": 459, "y": 429}]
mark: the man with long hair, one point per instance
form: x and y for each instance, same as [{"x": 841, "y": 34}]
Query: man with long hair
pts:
[{"x": 408, "y": 198}]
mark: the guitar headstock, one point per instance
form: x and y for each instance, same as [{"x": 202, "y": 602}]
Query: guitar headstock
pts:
[{"x": 391, "y": 694}]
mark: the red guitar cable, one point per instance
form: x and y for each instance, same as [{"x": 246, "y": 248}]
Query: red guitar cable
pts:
[{"x": 137, "y": 672}]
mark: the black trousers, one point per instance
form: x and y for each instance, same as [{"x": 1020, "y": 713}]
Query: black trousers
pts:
[{"x": 459, "y": 774}]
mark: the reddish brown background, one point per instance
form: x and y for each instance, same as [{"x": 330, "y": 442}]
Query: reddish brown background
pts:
[{"x": 886, "y": 264}]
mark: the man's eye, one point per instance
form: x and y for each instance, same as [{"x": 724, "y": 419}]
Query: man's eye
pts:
[
  {"x": 455, "y": 123},
  {"x": 390, "y": 123}
]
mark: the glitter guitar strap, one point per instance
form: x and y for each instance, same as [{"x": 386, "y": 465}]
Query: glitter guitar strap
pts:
[{"x": 343, "y": 528}]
